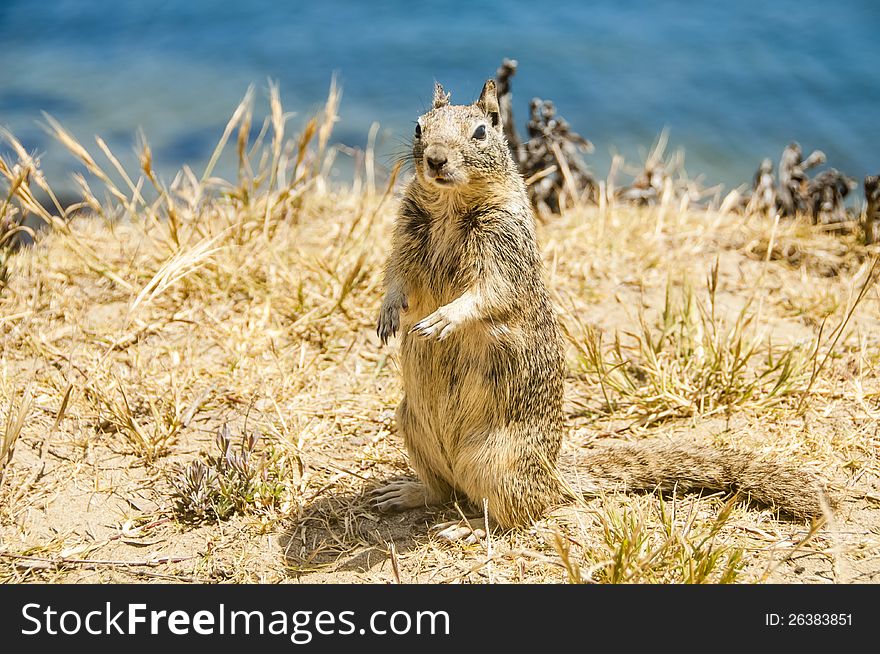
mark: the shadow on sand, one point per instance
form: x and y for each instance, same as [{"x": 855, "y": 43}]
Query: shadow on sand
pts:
[{"x": 345, "y": 533}]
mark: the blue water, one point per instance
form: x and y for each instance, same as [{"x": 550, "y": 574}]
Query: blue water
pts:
[{"x": 733, "y": 81}]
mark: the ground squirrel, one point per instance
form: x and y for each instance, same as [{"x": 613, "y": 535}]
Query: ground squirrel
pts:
[{"x": 481, "y": 351}]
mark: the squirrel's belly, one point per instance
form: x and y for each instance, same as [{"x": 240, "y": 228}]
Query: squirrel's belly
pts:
[{"x": 449, "y": 385}]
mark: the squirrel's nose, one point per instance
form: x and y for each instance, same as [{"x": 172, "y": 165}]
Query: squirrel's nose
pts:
[
  {"x": 437, "y": 161},
  {"x": 435, "y": 158}
]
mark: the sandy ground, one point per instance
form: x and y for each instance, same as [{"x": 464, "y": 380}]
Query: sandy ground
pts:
[{"x": 274, "y": 334}]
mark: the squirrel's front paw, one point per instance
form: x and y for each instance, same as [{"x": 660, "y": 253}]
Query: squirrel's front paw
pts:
[
  {"x": 439, "y": 325},
  {"x": 389, "y": 319}
]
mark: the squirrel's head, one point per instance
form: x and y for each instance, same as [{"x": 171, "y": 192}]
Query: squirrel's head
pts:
[{"x": 457, "y": 145}]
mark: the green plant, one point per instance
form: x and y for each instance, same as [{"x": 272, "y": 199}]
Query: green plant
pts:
[
  {"x": 654, "y": 542},
  {"x": 238, "y": 480},
  {"x": 150, "y": 438},
  {"x": 691, "y": 362}
]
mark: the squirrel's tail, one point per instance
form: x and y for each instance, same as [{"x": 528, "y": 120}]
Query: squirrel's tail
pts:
[{"x": 686, "y": 468}]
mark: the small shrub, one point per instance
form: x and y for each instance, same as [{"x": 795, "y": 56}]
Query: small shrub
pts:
[{"x": 238, "y": 480}]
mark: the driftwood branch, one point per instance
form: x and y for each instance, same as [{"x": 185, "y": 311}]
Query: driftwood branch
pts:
[
  {"x": 826, "y": 193},
  {"x": 550, "y": 160},
  {"x": 792, "y": 198},
  {"x": 792, "y": 192},
  {"x": 763, "y": 198},
  {"x": 872, "y": 210},
  {"x": 505, "y": 71}
]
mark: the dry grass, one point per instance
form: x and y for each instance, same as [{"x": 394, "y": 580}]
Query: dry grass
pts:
[{"x": 158, "y": 314}]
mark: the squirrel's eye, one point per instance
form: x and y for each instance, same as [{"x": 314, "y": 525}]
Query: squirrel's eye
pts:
[
  {"x": 480, "y": 132},
  {"x": 418, "y": 131}
]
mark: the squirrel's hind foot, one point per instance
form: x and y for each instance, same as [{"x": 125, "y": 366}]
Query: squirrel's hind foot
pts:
[
  {"x": 462, "y": 531},
  {"x": 402, "y": 495}
]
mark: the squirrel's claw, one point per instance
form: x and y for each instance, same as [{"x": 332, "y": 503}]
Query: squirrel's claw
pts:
[
  {"x": 389, "y": 323},
  {"x": 399, "y": 496},
  {"x": 438, "y": 325}
]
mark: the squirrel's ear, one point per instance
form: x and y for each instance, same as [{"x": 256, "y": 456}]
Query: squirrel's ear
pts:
[
  {"x": 441, "y": 98},
  {"x": 488, "y": 103}
]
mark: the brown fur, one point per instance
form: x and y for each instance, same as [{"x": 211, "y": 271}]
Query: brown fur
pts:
[
  {"x": 674, "y": 467},
  {"x": 481, "y": 350},
  {"x": 872, "y": 210}
]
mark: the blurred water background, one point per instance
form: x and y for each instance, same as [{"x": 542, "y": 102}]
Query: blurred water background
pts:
[{"x": 733, "y": 81}]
